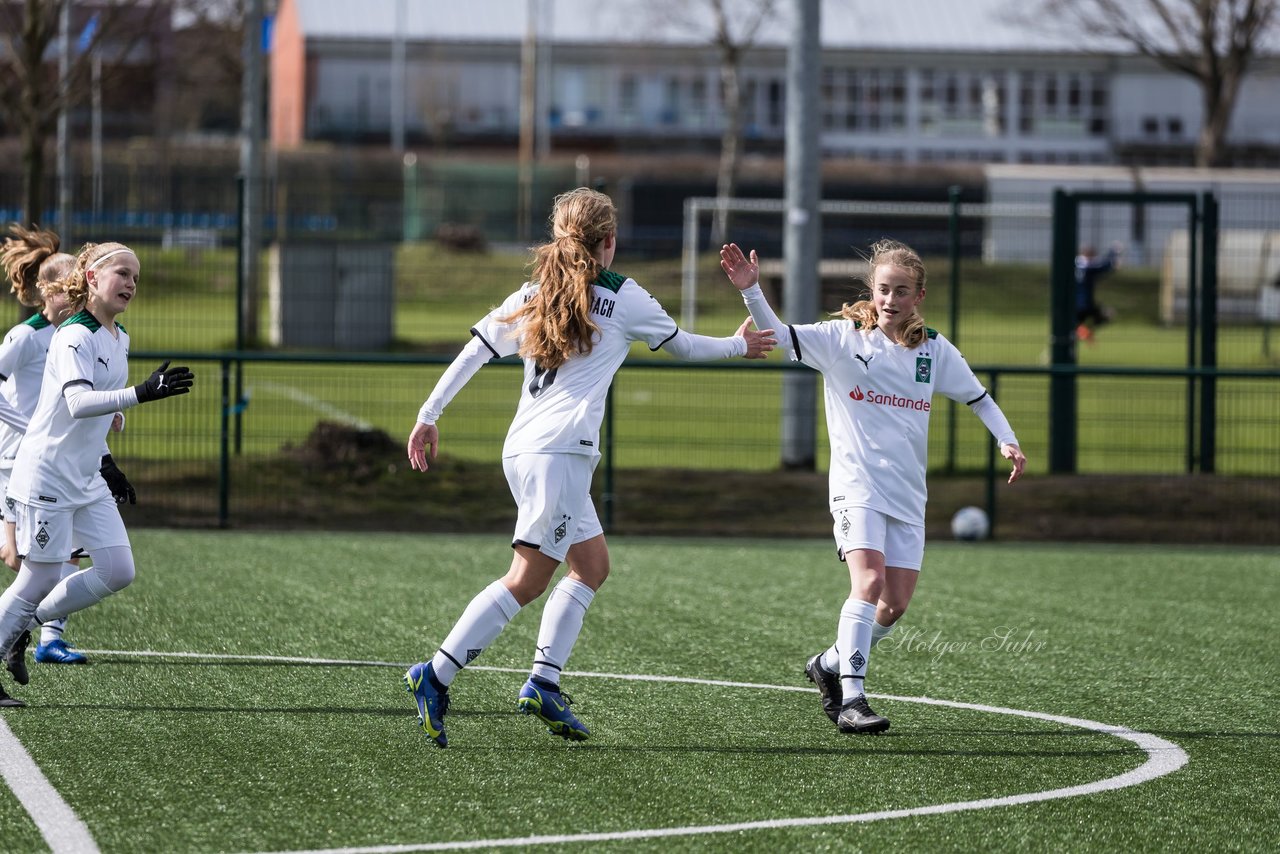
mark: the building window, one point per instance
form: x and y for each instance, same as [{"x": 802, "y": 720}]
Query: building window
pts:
[
  {"x": 627, "y": 90},
  {"x": 1150, "y": 126},
  {"x": 776, "y": 104},
  {"x": 1173, "y": 124}
]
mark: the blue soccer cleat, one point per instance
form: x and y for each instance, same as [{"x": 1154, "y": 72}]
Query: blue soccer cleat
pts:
[
  {"x": 552, "y": 708},
  {"x": 59, "y": 651},
  {"x": 431, "y": 702}
]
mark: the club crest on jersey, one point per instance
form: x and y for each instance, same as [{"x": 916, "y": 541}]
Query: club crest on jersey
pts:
[
  {"x": 924, "y": 369},
  {"x": 562, "y": 530},
  {"x": 42, "y": 537}
]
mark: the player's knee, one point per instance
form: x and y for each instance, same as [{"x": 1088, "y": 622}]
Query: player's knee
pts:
[
  {"x": 591, "y": 573},
  {"x": 889, "y": 613},
  {"x": 116, "y": 572}
]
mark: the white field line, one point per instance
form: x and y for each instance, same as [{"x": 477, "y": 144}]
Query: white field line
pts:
[
  {"x": 61, "y": 828},
  {"x": 297, "y": 395},
  {"x": 1163, "y": 757}
]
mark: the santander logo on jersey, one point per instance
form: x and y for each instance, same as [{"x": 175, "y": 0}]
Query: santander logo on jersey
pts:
[{"x": 872, "y": 396}]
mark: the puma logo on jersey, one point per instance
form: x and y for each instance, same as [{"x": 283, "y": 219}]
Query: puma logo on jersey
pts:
[
  {"x": 104, "y": 362},
  {"x": 866, "y": 363},
  {"x": 75, "y": 347}
]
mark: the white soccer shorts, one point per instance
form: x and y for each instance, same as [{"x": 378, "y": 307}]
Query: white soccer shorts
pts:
[
  {"x": 49, "y": 534},
  {"x": 901, "y": 543},
  {"x": 553, "y": 501}
]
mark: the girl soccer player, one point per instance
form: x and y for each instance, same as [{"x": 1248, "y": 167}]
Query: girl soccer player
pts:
[
  {"x": 35, "y": 268},
  {"x": 880, "y": 367},
  {"x": 56, "y": 496},
  {"x": 572, "y": 324}
]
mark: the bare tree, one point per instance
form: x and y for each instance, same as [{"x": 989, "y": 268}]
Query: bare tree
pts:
[
  {"x": 732, "y": 28},
  {"x": 209, "y": 36},
  {"x": 31, "y": 94},
  {"x": 1211, "y": 41}
]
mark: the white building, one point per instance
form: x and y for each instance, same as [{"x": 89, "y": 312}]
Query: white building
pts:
[{"x": 910, "y": 81}]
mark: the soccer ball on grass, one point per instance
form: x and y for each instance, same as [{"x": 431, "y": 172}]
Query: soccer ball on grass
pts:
[{"x": 970, "y": 523}]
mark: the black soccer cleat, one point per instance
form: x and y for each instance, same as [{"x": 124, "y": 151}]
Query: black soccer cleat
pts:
[
  {"x": 7, "y": 702},
  {"x": 16, "y": 660},
  {"x": 856, "y": 716},
  {"x": 828, "y": 686}
]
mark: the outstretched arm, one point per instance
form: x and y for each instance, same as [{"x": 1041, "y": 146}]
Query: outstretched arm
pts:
[
  {"x": 744, "y": 273},
  {"x": 746, "y": 342}
]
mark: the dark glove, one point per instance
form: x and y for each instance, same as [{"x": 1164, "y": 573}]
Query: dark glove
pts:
[
  {"x": 165, "y": 382},
  {"x": 121, "y": 489}
]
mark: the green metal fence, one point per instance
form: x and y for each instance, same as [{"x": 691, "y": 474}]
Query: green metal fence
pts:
[{"x": 215, "y": 459}]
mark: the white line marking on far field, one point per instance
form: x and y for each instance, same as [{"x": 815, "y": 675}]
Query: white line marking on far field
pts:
[{"x": 1163, "y": 757}]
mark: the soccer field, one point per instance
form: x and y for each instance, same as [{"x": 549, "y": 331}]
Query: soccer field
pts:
[{"x": 245, "y": 695}]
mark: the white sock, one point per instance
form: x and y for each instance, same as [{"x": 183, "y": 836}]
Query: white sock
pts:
[
  {"x": 853, "y": 638},
  {"x": 15, "y": 616},
  {"x": 879, "y": 632},
  {"x": 831, "y": 659},
  {"x": 561, "y": 624},
  {"x": 112, "y": 571},
  {"x": 482, "y": 621},
  {"x": 52, "y": 630}
]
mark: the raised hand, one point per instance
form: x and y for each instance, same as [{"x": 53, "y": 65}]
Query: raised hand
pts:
[
  {"x": 742, "y": 271},
  {"x": 758, "y": 343},
  {"x": 165, "y": 382}
]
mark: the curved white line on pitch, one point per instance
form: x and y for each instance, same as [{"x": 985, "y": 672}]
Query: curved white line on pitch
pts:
[{"x": 1163, "y": 757}]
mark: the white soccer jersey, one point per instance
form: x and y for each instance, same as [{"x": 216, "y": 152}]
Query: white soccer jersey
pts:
[
  {"x": 560, "y": 410},
  {"x": 878, "y": 398},
  {"x": 58, "y": 460},
  {"x": 22, "y": 357}
]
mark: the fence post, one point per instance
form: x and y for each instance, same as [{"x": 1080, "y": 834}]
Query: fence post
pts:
[
  {"x": 992, "y": 457},
  {"x": 1062, "y": 342},
  {"x": 953, "y": 327},
  {"x": 224, "y": 449},
  {"x": 240, "y": 296},
  {"x": 606, "y": 492},
  {"x": 1209, "y": 333}
]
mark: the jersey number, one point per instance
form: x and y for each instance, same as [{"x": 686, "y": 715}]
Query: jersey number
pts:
[{"x": 542, "y": 380}]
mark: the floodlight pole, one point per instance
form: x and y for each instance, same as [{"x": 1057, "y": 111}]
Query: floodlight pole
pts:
[
  {"x": 398, "y": 79},
  {"x": 802, "y": 238},
  {"x": 64, "y": 131}
]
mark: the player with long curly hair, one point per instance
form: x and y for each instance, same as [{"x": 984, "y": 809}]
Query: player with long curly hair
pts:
[{"x": 572, "y": 324}]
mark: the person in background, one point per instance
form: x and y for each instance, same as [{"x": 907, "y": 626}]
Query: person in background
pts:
[{"x": 1090, "y": 267}]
